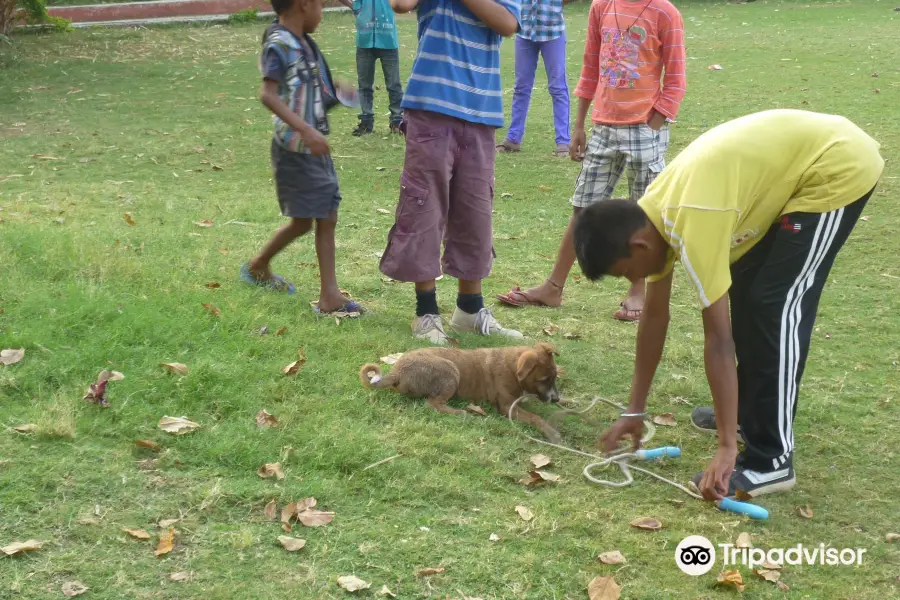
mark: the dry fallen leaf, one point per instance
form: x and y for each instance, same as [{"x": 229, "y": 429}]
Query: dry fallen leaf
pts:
[
  {"x": 265, "y": 419},
  {"x": 539, "y": 461},
  {"x": 291, "y": 544},
  {"x": 743, "y": 541},
  {"x": 545, "y": 188},
  {"x": 612, "y": 558},
  {"x": 294, "y": 367},
  {"x": 538, "y": 477},
  {"x": 137, "y": 533},
  {"x": 476, "y": 410},
  {"x": 494, "y": 537},
  {"x": 805, "y": 511},
  {"x": 166, "y": 542},
  {"x": 212, "y": 309},
  {"x": 175, "y": 368},
  {"x": 769, "y": 575},
  {"x": 177, "y": 425},
  {"x": 865, "y": 218},
  {"x": 288, "y": 513},
  {"x": 385, "y": 591},
  {"x": 383, "y": 211},
  {"x": 352, "y": 583},
  {"x": 167, "y": 523},
  {"x": 604, "y": 588},
  {"x": 280, "y": 332},
  {"x": 782, "y": 586},
  {"x": 551, "y": 329},
  {"x": 11, "y": 356},
  {"x": 715, "y": 67},
  {"x": 148, "y": 444},
  {"x": 26, "y": 428},
  {"x": 524, "y": 513},
  {"x": 129, "y": 219},
  {"x": 213, "y": 285},
  {"x": 572, "y": 336},
  {"x": 770, "y": 566},
  {"x": 731, "y": 578},
  {"x": 17, "y": 547},
  {"x": 180, "y": 576},
  {"x": 270, "y": 510},
  {"x": 271, "y": 470},
  {"x": 391, "y": 358},
  {"x": 429, "y": 571},
  {"x": 667, "y": 419},
  {"x": 315, "y": 518},
  {"x": 206, "y": 223},
  {"x": 892, "y": 537},
  {"x": 647, "y": 523},
  {"x": 70, "y": 589}
]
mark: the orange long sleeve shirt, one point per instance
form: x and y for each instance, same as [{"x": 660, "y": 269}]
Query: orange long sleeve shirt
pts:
[{"x": 629, "y": 45}]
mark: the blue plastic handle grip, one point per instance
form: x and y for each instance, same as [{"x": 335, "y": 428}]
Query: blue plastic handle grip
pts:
[
  {"x": 665, "y": 451},
  {"x": 751, "y": 510}
]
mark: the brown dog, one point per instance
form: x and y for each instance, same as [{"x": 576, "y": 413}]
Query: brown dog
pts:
[{"x": 496, "y": 375}]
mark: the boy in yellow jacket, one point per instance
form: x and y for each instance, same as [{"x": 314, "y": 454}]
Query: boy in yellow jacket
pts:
[{"x": 756, "y": 211}]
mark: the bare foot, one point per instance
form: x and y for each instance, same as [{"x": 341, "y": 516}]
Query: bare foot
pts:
[
  {"x": 545, "y": 294},
  {"x": 631, "y": 309},
  {"x": 332, "y": 302},
  {"x": 260, "y": 271}
]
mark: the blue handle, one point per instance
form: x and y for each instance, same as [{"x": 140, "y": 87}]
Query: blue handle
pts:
[
  {"x": 751, "y": 510},
  {"x": 665, "y": 451}
]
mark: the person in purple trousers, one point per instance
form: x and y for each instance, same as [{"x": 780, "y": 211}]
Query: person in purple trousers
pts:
[{"x": 542, "y": 33}]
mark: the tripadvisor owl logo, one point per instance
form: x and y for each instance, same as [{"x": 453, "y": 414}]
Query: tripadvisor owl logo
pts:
[{"x": 695, "y": 555}]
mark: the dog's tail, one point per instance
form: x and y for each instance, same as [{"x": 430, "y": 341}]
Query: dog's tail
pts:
[{"x": 370, "y": 375}]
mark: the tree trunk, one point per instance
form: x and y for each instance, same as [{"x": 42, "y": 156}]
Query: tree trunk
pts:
[{"x": 7, "y": 16}]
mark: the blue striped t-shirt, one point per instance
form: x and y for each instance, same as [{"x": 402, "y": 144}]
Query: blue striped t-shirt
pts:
[{"x": 457, "y": 67}]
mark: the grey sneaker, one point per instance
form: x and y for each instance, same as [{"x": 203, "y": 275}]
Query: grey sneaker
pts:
[
  {"x": 483, "y": 323},
  {"x": 429, "y": 327},
  {"x": 755, "y": 483},
  {"x": 703, "y": 418}
]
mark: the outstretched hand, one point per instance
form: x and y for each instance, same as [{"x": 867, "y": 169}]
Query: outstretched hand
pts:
[
  {"x": 622, "y": 428},
  {"x": 714, "y": 484}
]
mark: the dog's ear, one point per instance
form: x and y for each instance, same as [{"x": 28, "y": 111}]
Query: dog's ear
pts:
[
  {"x": 548, "y": 348},
  {"x": 528, "y": 360}
]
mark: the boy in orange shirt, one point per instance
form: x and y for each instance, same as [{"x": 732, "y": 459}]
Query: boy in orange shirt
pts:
[{"x": 630, "y": 44}]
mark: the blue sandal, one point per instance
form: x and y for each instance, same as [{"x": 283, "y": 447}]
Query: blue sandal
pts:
[{"x": 277, "y": 283}]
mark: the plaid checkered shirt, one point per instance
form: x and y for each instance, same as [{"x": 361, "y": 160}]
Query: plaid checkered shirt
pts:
[{"x": 542, "y": 20}]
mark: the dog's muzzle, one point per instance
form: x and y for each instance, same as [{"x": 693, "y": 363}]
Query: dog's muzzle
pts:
[{"x": 551, "y": 395}]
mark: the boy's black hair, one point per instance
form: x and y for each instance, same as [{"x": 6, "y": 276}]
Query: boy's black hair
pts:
[
  {"x": 280, "y": 6},
  {"x": 602, "y": 234}
]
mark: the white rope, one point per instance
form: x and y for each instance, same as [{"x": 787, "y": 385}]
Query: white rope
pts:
[{"x": 619, "y": 459}]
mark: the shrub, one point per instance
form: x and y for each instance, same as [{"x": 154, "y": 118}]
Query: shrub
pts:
[
  {"x": 34, "y": 13},
  {"x": 251, "y": 15}
]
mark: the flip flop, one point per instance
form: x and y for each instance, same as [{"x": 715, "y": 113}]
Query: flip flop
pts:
[
  {"x": 277, "y": 283},
  {"x": 517, "y": 298},
  {"x": 349, "y": 308},
  {"x": 626, "y": 314}
]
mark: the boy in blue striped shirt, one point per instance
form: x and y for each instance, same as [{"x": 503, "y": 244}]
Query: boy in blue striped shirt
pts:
[{"x": 453, "y": 106}]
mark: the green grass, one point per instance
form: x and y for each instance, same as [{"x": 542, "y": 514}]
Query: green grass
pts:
[{"x": 136, "y": 118}]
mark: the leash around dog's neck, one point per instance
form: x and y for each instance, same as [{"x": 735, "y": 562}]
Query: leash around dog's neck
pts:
[{"x": 622, "y": 459}]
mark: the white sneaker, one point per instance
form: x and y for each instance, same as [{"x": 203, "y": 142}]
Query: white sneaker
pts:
[
  {"x": 483, "y": 323},
  {"x": 429, "y": 327}
]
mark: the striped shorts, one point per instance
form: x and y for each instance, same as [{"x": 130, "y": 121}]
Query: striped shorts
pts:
[{"x": 611, "y": 150}]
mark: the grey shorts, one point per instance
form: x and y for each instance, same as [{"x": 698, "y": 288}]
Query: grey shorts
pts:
[
  {"x": 307, "y": 185},
  {"x": 613, "y": 149}
]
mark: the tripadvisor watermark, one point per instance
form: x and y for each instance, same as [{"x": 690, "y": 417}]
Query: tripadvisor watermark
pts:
[
  {"x": 696, "y": 556},
  {"x": 795, "y": 555}
]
